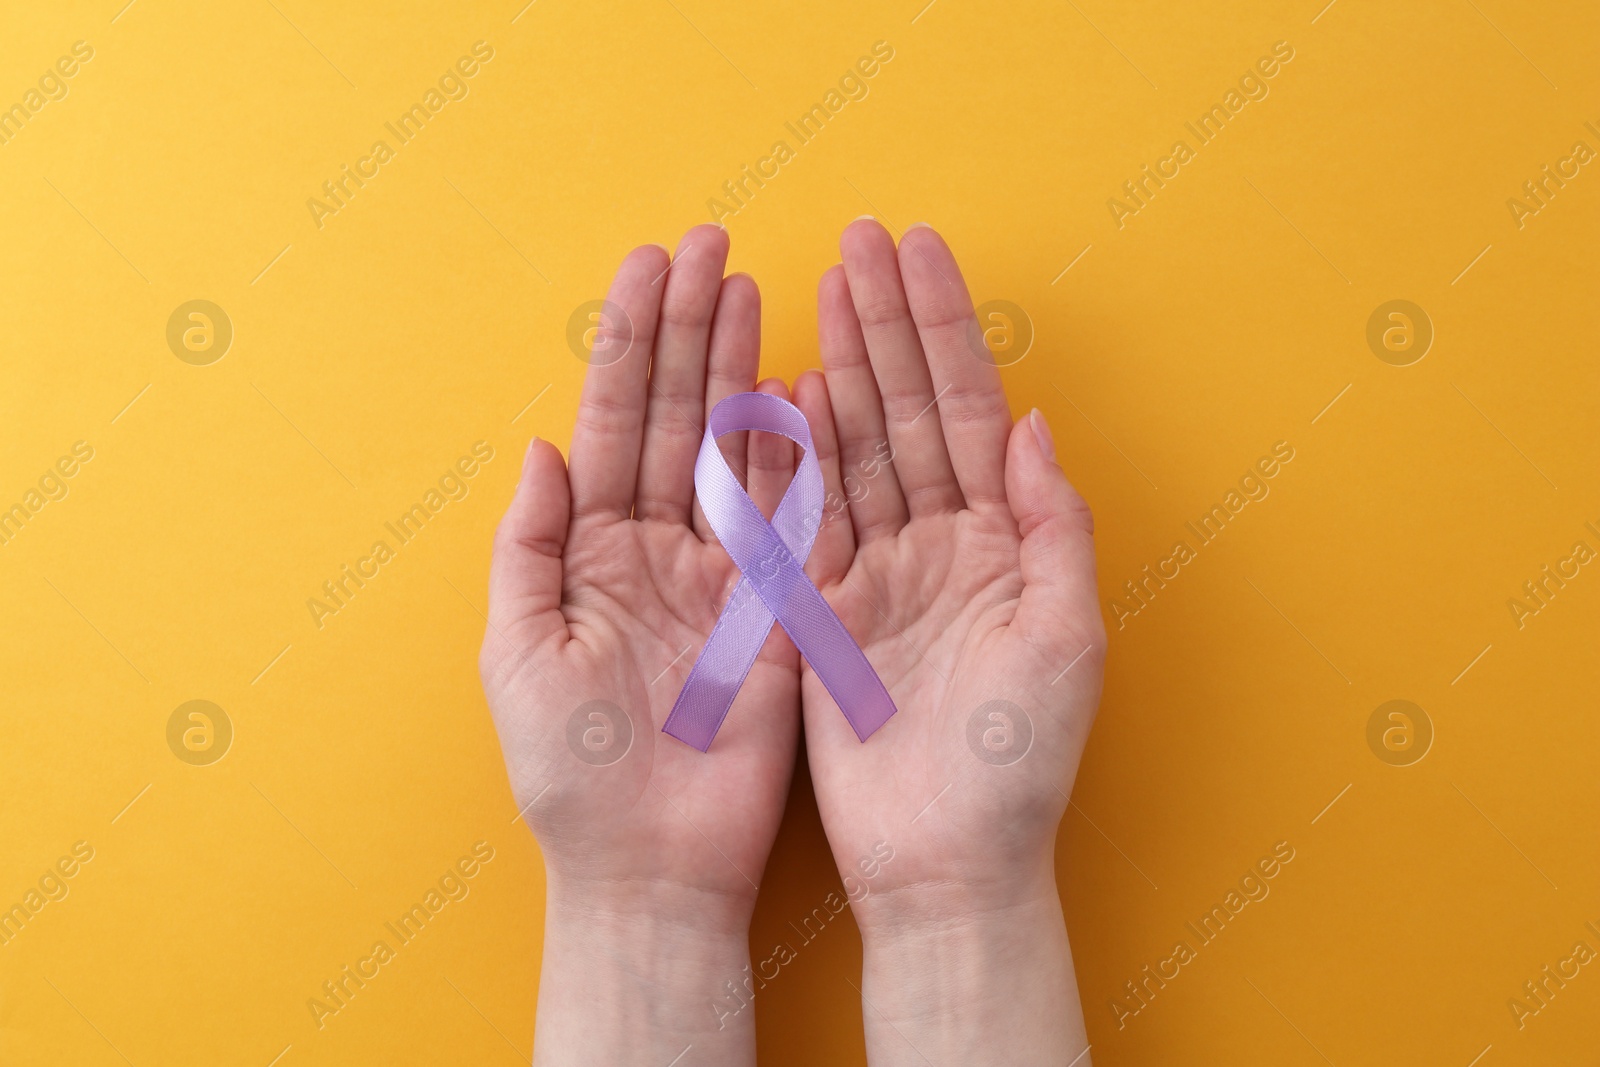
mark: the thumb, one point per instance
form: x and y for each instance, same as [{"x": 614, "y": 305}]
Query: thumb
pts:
[
  {"x": 525, "y": 574},
  {"x": 1059, "y": 606}
]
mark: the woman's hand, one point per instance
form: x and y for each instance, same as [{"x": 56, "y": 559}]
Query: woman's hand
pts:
[
  {"x": 965, "y": 569},
  {"x": 604, "y": 586}
]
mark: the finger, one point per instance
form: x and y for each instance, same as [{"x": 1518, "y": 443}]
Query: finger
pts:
[
  {"x": 972, "y": 403},
  {"x": 525, "y": 571},
  {"x": 1058, "y": 611},
  {"x": 771, "y": 458},
  {"x": 675, "y": 412},
  {"x": 910, "y": 409},
  {"x": 836, "y": 542},
  {"x": 878, "y": 508},
  {"x": 609, "y": 429},
  {"x": 735, "y": 354}
]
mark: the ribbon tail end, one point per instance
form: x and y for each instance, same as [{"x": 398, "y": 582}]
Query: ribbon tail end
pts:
[
  {"x": 865, "y": 725},
  {"x": 693, "y": 738}
]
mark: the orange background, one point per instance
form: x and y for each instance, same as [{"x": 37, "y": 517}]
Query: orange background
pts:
[{"x": 1227, "y": 314}]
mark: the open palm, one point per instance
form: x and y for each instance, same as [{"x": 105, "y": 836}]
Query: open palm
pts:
[
  {"x": 604, "y": 585},
  {"x": 965, "y": 568}
]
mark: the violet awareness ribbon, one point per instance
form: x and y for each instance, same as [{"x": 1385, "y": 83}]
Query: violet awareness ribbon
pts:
[{"x": 772, "y": 584}]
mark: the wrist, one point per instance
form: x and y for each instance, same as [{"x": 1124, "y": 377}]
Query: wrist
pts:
[
  {"x": 927, "y": 903},
  {"x": 636, "y": 972},
  {"x": 958, "y": 979},
  {"x": 633, "y": 907}
]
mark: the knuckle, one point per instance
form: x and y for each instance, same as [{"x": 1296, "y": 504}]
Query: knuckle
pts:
[
  {"x": 942, "y": 315},
  {"x": 684, "y": 310},
  {"x": 967, "y": 406},
  {"x": 879, "y": 308}
]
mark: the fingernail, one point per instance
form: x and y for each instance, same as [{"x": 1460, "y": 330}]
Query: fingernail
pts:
[
  {"x": 1041, "y": 433},
  {"x": 858, "y": 218},
  {"x": 522, "y": 475},
  {"x": 914, "y": 225}
]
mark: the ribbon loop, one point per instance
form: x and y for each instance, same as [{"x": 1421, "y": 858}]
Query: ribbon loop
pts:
[{"x": 773, "y": 586}]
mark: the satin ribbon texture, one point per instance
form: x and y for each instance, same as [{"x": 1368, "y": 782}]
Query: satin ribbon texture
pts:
[{"x": 773, "y": 586}]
